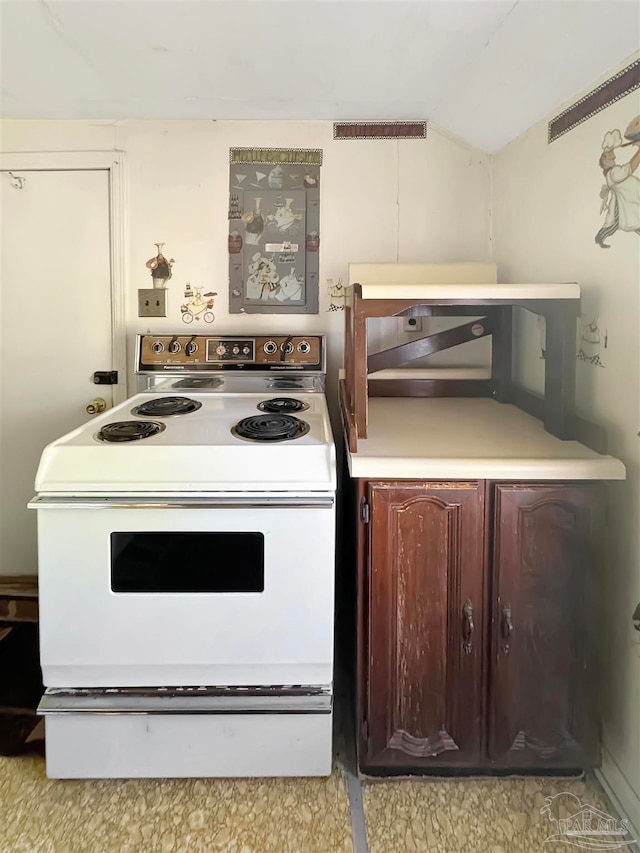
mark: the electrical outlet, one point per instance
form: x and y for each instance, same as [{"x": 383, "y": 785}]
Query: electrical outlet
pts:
[
  {"x": 412, "y": 324},
  {"x": 152, "y": 302}
]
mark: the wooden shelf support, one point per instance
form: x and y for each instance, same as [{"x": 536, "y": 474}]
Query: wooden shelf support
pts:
[{"x": 559, "y": 305}]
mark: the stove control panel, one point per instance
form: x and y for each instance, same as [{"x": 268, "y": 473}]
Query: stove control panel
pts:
[
  {"x": 236, "y": 349},
  {"x": 164, "y": 353}
]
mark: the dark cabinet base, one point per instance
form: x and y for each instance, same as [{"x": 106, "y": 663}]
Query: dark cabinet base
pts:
[
  {"x": 474, "y": 639},
  {"x": 456, "y": 772}
]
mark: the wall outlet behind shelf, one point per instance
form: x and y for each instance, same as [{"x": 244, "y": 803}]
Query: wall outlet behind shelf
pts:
[
  {"x": 152, "y": 302},
  {"x": 412, "y": 324}
]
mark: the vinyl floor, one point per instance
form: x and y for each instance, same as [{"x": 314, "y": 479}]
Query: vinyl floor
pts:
[
  {"x": 170, "y": 816},
  {"x": 38, "y": 815},
  {"x": 487, "y": 816}
]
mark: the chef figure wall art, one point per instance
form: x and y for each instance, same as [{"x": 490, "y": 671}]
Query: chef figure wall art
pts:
[
  {"x": 620, "y": 193},
  {"x": 274, "y": 230}
]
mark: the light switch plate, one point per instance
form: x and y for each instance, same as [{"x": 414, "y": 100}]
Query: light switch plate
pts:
[{"x": 152, "y": 302}]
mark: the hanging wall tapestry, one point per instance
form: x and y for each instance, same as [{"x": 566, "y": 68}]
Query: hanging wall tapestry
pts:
[{"x": 274, "y": 230}]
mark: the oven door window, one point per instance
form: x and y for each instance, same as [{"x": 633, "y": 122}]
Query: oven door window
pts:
[{"x": 187, "y": 562}]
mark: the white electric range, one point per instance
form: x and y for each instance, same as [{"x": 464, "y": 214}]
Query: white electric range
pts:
[{"x": 186, "y": 568}]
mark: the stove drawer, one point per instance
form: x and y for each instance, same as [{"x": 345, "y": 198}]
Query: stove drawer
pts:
[
  {"x": 117, "y": 746},
  {"x": 188, "y": 701},
  {"x": 216, "y": 593}
]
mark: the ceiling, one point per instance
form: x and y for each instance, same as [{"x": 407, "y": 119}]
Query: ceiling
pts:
[{"x": 484, "y": 69}]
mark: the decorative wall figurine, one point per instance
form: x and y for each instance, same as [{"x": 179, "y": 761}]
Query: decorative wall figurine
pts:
[
  {"x": 276, "y": 178},
  {"x": 263, "y": 278},
  {"x": 592, "y": 342},
  {"x": 290, "y": 287},
  {"x": 235, "y": 243},
  {"x": 273, "y": 249},
  {"x": 313, "y": 241},
  {"x": 265, "y": 284},
  {"x": 197, "y": 306},
  {"x": 621, "y": 192},
  {"x": 283, "y": 220},
  {"x": 254, "y": 223},
  {"x": 337, "y": 293},
  {"x": 160, "y": 267},
  {"x": 234, "y": 207}
]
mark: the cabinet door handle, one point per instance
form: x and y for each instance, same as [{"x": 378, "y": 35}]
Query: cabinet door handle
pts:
[
  {"x": 506, "y": 628},
  {"x": 467, "y": 626}
]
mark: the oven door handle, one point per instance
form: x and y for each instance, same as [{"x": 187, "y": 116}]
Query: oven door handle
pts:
[
  {"x": 99, "y": 702},
  {"x": 307, "y": 502}
]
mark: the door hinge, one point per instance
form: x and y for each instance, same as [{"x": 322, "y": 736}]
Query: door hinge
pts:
[
  {"x": 365, "y": 512},
  {"x": 105, "y": 377}
]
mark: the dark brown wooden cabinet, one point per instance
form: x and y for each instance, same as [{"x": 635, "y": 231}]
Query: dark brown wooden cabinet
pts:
[
  {"x": 541, "y": 651},
  {"x": 426, "y": 617},
  {"x": 473, "y": 635}
]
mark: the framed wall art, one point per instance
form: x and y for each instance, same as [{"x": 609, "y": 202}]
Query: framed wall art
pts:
[{"x": 274, "y": 230}]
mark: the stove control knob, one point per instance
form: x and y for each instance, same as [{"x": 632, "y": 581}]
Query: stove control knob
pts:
[
  {"x": 236, "y": 350},
  {"x": 246, "y": 350},
  {"x": 174, "y": 346},
  {"x": 191, "y": 347},
  {"x": 221, "y": 349},
  {"x": 157, "y": 346},
  {"x": 304, "y": 347},
  {"x": 270, "y": 347}
]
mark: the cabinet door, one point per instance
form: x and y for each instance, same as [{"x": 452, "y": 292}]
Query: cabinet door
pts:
[
  {"x": 541, "y": 704},
  {"x": 425, "y": 625}
]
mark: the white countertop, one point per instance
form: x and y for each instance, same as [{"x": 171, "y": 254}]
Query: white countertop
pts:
[{"x": 477, "y": 438}]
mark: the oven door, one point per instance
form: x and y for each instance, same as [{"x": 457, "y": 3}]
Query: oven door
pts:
[{"x": 187, "y": 592}]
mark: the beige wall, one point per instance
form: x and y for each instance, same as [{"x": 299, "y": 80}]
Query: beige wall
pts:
[
  {"x": 380, "y": 201},
  {"x": 432, "y": 201},
  {"x": 546, "y": 206}
]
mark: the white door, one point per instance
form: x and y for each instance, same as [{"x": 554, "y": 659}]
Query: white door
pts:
[{"x": 55, "y": 330}]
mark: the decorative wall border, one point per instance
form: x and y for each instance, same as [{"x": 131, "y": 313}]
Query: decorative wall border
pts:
[
  {"x": 607, "y": 93},
  {"x": 286, "y": 156},
  {"x": 380, "y": 130}
]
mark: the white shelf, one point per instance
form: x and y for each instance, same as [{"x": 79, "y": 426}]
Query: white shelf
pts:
[
  {"x": 509, "y": 292},
  {"x": 448, "y": 281},
  {"x": 432, "y": 373},
  {"x": 396, "y": 273}
]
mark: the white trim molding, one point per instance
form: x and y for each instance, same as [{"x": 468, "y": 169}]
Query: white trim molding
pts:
[
  {"x": 114, "y": 163},
  {"x": 624, "y": 799}
]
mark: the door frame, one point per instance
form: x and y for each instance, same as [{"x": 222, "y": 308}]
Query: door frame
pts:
[{"x": 112, "y": 162}]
